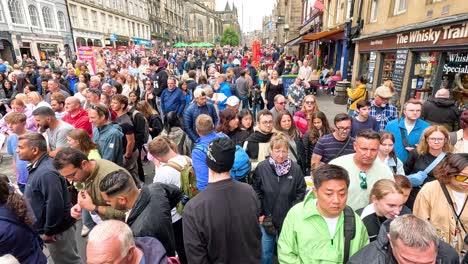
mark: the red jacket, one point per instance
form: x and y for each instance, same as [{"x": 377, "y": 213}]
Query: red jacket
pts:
[{"x": 81, "y": 120}]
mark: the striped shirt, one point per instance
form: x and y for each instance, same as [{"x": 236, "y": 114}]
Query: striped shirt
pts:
[{"x": 328, "y": 147}]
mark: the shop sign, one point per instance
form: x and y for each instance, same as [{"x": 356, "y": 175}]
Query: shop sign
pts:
[
  {"x": 399, "y": 70},
  {"x": 434, "y": 35},
  {"x": 446, "y": 35},
  {"x": 370, "y": 73},
  {"x": 457, "y": 63}
]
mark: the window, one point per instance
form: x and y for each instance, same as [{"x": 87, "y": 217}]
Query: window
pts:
[
  {"x": 61, "y": 20},
  {"x": 104, "y": 22},
  {"x": 84, "y": 16},
  {"x": 73, "y": 15},
  {"x": 33, "y": 15},
  {"x": 95, "y": 19},
  {"x": 400, "y": 7},
  {"x": 338, "y": 11},
  {"x": 374, "y": 11},
  {"x": 200, "y": 29},
  {"x": 48, "y": 17},
  {"x": 16, "y": 11}
]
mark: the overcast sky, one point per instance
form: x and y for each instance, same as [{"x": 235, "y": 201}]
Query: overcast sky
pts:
[{"x": 254, "y": 11}]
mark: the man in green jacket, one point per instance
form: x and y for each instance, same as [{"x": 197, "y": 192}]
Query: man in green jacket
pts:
[
  {"x": 75, "y": 167},
  {"x": 313, "y": 231}
]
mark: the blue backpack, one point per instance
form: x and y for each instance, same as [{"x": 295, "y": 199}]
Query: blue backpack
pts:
[{"x": 241, "y": 167}]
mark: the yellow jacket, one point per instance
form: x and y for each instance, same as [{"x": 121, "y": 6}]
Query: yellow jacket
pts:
[
  {"x": 358, "y": 94},
  {"x": 432, "y": 205}
]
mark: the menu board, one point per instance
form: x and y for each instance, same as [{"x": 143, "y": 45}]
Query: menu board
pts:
[
  {"x": 371, "y": 69},
  {"x": 399, "y": 70}
]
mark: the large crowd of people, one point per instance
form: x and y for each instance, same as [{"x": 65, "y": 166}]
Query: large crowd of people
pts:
[{"x": 245, "y": 169}]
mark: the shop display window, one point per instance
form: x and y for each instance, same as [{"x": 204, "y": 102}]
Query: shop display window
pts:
[
  {"x": 455, "y": 75},
  {"x": 424, "y": 75},
  {"x": 364, "y": 65},
  {"x": 388, "y": 66}
]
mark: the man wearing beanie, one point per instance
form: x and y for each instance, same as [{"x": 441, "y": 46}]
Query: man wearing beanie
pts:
[{"x": 221, "y": 223}]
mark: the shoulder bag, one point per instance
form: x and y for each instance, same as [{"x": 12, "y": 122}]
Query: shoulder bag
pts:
[
  {"x": 417, "y": 179},
  {"x": 457, "y": 216}
]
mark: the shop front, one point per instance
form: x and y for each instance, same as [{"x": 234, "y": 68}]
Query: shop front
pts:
[{"x": 418, "y": 61}]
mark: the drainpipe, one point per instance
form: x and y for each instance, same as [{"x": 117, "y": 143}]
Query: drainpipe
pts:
[{"x": 346, "y": 42}]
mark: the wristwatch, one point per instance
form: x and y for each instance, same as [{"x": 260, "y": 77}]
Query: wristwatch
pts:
[{"x": 95, "y": 210}]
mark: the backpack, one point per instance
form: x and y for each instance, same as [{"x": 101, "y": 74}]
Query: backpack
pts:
[
  {"x": 188, "y": 182},
  {"x": 146, "y": 130},
  {"x": 349, "y": 231},
  {"x": 241, "y": 167}
]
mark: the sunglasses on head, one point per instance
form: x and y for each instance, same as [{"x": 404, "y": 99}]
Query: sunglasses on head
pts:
[{"x": 363, "y": 177}]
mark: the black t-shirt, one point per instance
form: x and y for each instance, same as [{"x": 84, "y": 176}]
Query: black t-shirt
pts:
[{"x": 126, "y": 124}]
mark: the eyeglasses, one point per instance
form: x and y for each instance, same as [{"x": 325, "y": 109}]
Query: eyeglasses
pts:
[
  {"x": 363, "y": 177},
  {"x": 71, "y": 175},
  {"x": 431, "y": 139},
  {"x": 281, "y": 103},
  {"x": 343, "y": 129},
  {"x": 461, "y": 178},
  {"x": 267, "y": 122},
  {"x": 310, "y": 102}
]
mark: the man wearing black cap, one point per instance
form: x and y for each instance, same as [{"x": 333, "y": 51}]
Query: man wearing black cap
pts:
[{"x": 221, "y": 223}]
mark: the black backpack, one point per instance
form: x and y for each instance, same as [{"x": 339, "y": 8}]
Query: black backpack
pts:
[
  {"x": 349, "y": 231},
  {"x": 145, "y": 133}
]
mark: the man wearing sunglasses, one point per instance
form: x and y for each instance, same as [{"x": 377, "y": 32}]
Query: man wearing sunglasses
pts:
[
  {"x": 363, "y": 167},
  {"x": 280, "y": 105}
]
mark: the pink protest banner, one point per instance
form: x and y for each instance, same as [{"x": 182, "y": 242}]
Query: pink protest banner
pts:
[{"x": 87, "y": 54}]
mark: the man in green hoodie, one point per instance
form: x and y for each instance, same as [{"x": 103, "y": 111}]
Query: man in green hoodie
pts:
[{"x": 314, "y": 230}]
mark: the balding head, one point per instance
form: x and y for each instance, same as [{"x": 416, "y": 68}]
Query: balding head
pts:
[{"x": 72, "y": 105}]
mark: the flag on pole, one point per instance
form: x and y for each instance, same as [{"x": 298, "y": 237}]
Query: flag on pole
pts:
[{"x": 319, "y": 5}]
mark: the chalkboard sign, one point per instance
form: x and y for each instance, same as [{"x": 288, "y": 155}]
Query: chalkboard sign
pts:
[
  {"x": 287, "y": 81},
  {"x": 399, "y": 71},
  {"x": 370, "y": 72}
]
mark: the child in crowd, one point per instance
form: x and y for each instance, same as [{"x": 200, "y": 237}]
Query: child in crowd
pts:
[
  {"x": 363, "y": 120},
  {"x": 16, "y": 122}
]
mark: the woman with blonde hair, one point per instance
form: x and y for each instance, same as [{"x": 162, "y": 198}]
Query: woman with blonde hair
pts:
[
  {"x": 386, "y": 201},
  {"x": 284, "y": 123},
  {"x": 433, "y": 146},
  {"x": 302, "y": 118},
  {"x": 279, "y": 184},
  {"x": 35, "y": 100},
  {"x": 155, "y": 124},
  {"x": 443, "y": 202},
  {"x": 357, "y": 94}
]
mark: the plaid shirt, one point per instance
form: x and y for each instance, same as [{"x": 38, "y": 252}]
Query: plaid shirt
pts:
[{"x": 386, "y": 115}]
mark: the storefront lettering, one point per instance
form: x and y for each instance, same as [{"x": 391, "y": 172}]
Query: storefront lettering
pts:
[
  {"x": 457, "y": 57},
  {"x": 459, "y": 69},
  {"x": 434, "y": 35},
  {"x": 376, "y": 42}
]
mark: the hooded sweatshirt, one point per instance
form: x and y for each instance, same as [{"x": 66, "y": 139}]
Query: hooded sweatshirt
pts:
[{"x": 441, "y": 111}]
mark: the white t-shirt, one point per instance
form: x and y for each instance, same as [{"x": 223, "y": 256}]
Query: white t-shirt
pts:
[
  {"x": 169, "y": 175},
  {"x": 331, "y": 223},
  {"x": 409, "y": 128},
  {"x": 459, "y": 200},
  {"x": 465, "y": 145}
]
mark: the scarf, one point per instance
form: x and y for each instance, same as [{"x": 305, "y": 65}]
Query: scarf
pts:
[{"x": 281, "y": 168}]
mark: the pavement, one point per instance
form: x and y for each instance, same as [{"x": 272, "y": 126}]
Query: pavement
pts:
[{"x": 326, "y": 105}]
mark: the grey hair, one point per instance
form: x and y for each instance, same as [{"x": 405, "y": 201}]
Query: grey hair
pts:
[
  {"x": 105, "y": 85},
  {"x": 413, "y": 232},
  {"x": 113, "y": 229},
  {"x": 95, "y": 78}
]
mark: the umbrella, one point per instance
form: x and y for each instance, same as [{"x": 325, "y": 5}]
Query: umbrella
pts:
[
  {"x": 179, "y": 45},
  {"x": 209, "y": 44}
]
